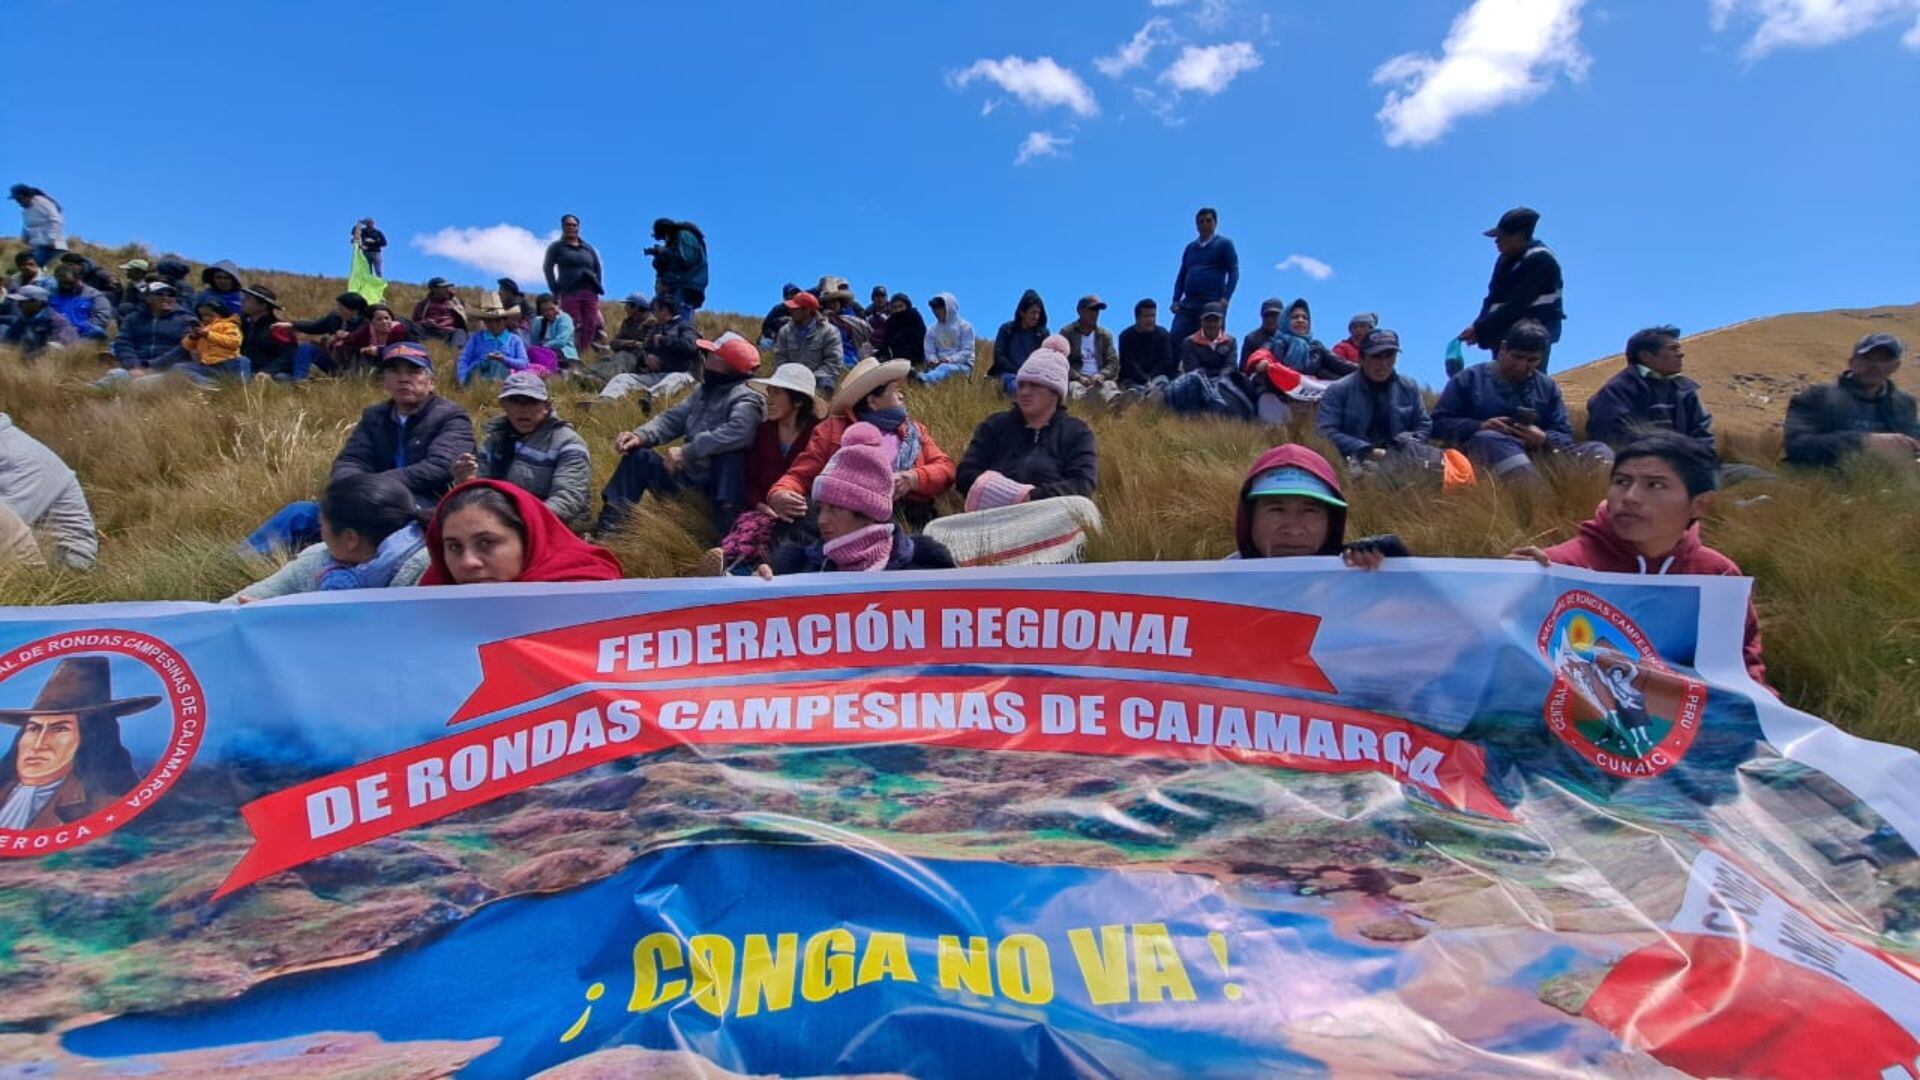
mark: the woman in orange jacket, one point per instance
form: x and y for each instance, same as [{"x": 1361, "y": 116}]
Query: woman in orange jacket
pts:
[{"x": 871, "y": 392}]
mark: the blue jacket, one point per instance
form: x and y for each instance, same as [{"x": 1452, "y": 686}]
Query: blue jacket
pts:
[
  {"x": 1346, "y": 412},
  {"x": 1208, "y": 272},
  {"x": 507, "y": 344},
  {"x": 88, "y": 310},
  {"x": 556, "y": 334},
  {"x": 1479, "y": 394},
  {"x": 1633, "y": 402},
  {"x": 145, "y": 341},
  {"x": 32, "y": 333}
]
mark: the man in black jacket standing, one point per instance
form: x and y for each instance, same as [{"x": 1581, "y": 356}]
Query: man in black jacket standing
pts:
[{"x": 1526, "y": 283}]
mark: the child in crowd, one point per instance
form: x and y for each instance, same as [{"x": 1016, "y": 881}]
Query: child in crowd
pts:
[
  {"x": 854, "y": 494},
  {"x": 370, "y": 538}
]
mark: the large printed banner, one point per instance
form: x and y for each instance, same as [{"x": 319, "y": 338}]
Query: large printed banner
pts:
[{"x": 1451, "y": 818}]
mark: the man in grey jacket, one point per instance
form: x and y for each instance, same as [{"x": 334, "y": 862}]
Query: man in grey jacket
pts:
[
  {"x": 44, "y": 494},
  {"x": 717, "y": 422},
  {"x": 809, "y": 340},
  {"x": 534, "y": 450}
]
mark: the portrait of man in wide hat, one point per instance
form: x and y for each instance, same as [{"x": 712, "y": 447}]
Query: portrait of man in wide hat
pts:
[{"x": 67, "y": 760}]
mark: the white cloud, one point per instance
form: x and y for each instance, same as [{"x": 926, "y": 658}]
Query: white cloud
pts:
[
  {"x": 1807, "y": 24},
  {"x": 1039, "y": 84},
  {"x": 1155, "y": 32},
  {"x": 1211, "y": 68},
  {"x": 499, "y": 250},
  {"x": 1498, "y": 52},
  {"x": 1039, "y": 144},
  {"x": 1307, "y": 265}
]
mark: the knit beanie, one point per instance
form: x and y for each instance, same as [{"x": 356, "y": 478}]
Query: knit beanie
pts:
[
  {"x": 994, "y": 489},
  {"x": 1047, "y": 368},
  {"x": 859, "y": 476},
  {"x": 1058, "y": 343}
]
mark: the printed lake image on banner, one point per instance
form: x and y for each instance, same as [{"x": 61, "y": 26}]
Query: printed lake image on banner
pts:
[{"x": 1221, "y": 819}]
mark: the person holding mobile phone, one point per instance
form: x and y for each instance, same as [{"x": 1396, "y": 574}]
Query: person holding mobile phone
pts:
[{"x": 1507, "y": 415}]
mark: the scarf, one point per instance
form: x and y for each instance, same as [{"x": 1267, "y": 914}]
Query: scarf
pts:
[
  {"x": 377, "y": 572},
  {"x": 1293, "y": 351},
  {"x": 904, "y": 433},
  {"x": 862, "y": 549}
]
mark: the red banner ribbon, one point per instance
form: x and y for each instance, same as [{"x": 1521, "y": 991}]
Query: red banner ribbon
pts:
[
  {"x": 1043, "y": 628},
  {"x": 1041, "y": 714}
]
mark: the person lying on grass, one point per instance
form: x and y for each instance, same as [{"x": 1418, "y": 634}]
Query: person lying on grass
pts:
[
  {"x": 1292, "y": 505},
  {"x": 370, "y": 538},
  {"x": 1662, "y": 485}
]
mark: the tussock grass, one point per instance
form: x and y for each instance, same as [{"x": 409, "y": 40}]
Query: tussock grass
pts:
[{"x": 178, "y": 478}]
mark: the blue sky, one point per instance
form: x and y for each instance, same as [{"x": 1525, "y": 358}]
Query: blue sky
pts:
[{"x": 1696, "y": 161}]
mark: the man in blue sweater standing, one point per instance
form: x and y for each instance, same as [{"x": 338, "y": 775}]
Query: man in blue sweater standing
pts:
[{"x": 1209, "y": 269}]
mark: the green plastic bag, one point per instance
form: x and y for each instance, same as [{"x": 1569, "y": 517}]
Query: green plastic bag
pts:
[{"x": 364, "y": 281}]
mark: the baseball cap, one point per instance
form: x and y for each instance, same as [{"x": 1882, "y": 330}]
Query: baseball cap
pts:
[
  {"x": 136, "y": 264},
  {"x": 1380, "y": 341},
  {"x": 161, "y": 288},
  {"x": 1878, "y": 341},
  {"x": 804, "y": 299},
  {"x": 734, "y": 351},
  {"x": 1520, "y": 219},
  {"x": 406, "y": 352},
  {"x": 29, "y": 292},
  {"x": 1215, "y": 310},
  {"x": 439, "y": 283},
  {"x": 1294, "y": 480},
  {"x": 524, "y": 384},
  {"x": 1090, "y": 302}
]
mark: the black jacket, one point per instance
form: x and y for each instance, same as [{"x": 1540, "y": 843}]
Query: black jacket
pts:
[
  {"x": 1059, "y": 459},
  {"x": 777, "y": 316},
  {"x": 435, "y": 435},
  {"x": 262, "y": 350},
  {"x": 1012, "y": 345},
  {"x": 1632, "y": 403},
  {"x": 1524, "y": 288},
  {"x": 1824, "y": 423},
  {"x": 905, "y": 337},
  {"x": 1145, "y": 357},
  {"x": 909, "y": 553}
]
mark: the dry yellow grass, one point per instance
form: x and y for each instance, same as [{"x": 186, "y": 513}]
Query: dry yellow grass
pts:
[{"x": 178, "y": 479}]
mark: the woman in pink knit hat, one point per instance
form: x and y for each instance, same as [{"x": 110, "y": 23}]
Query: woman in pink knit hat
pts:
[
  {"x": 1034, "y": 450},
  {"x": 857, "y": 528}
]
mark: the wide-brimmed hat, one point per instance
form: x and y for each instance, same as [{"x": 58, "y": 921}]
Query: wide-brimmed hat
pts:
[
  {"x": 141, "y": 265},
  {"x": 262, "y": 294},
  {"x": 834, "y": 288},
  {"x": 80, "y": 684},
  {"x": 798, "y": 378},
  {"x": 490, "y": 309},
  {"x": 867, "y": 376}
]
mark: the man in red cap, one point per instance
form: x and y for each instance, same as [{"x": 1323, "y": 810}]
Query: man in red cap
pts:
[
  {"x": 717, "y": 423},
  {"x": 810, "y": 341}
]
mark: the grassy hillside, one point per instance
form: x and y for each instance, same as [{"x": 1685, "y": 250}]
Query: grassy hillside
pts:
[
  {"x": 1747, "y": 372},
  {"x": 177, "y": 479}
]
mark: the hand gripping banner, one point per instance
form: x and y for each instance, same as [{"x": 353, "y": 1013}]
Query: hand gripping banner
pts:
[{"x": 1178, "y": 819}]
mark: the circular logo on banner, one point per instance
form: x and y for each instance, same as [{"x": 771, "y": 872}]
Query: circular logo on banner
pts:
[
  {"x": 1614, "y": 701},
  {"x": 69, "y": 704}
]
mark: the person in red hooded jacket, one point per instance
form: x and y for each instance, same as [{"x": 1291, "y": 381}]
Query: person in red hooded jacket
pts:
[
  {"x": 488, "y": 531},
  {"x": 1663, "y": 484},
  {"x": 1291, "y": 504}
]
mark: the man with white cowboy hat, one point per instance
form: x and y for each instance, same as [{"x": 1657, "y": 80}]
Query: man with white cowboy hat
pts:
[
  {"x": 843, "y": 311},
  {"x": 493, "y": 352},
  {"x": 872, "y": 392},
  {"x": 67, "y": 760}
]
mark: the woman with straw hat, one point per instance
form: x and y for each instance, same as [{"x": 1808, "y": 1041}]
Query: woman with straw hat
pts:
[{"x": 872, "y": 392}]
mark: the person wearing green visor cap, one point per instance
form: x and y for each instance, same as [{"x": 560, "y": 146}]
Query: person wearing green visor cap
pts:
[{"x": 1292, "y": 505}]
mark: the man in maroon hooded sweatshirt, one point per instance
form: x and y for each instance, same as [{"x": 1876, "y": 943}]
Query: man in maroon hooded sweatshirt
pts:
[{"x": 1662, "y": 485}]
